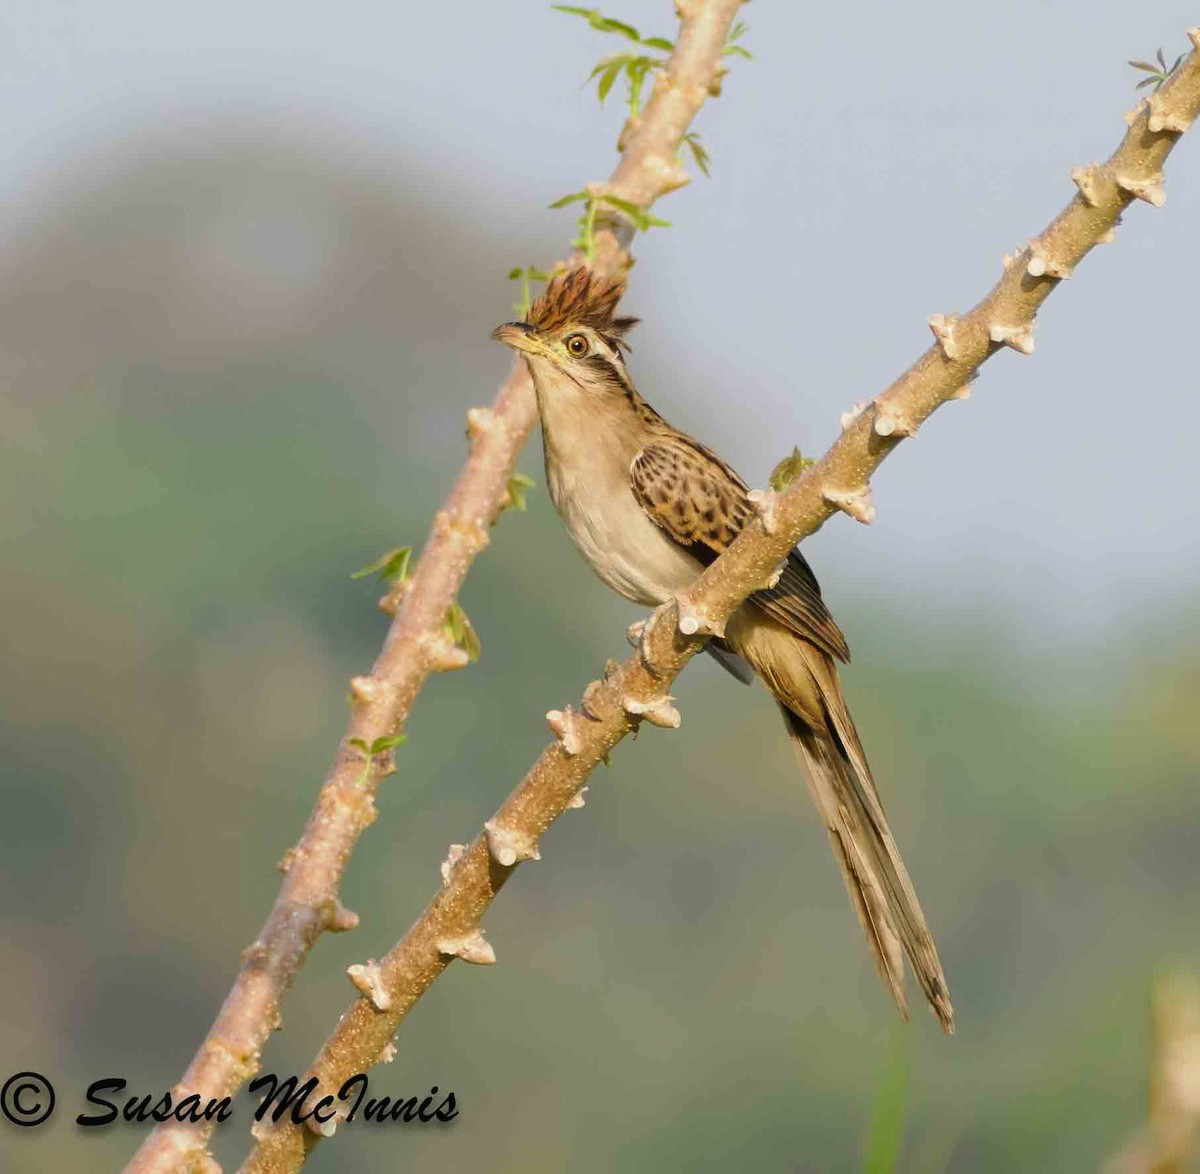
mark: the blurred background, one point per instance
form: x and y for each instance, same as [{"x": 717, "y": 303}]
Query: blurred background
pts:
[{"x": 250, "y": 256}]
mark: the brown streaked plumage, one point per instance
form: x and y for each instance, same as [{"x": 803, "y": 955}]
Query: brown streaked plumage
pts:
[{"x": 649, "y": 507}]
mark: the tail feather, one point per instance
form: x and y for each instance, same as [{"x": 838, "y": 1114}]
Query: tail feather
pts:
[
  {"x": 874, "y": 873},
  {"x": 805, "y": 683}
]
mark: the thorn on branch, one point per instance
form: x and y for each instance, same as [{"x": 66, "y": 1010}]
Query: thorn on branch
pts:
[
  {"x": 964, "y": 392},
  {"x": 694, "y": 621},
  {"x": 853, "y": 414},
  {"x": 638, "y": 634},
  {"x": 480, "y": 421},
  {"x": 1041, "y": 264},
  {"x": 453, "y": 856},
  {"x": 444, "y": 655},
  {"x": 855, "y": 502},
  {"x": 1020, "y": 338},
  {"x": 510, "y": 846},
  {"x": 1086, "y": 180},
  {"x": 577, "y": 799},
  {"x": 388, "y": 1054},
  {"x": 765, "y": 503},
  {"x": 1164, "y": 119},
  {"x": 658, "y": 712},
  {"x": 473, "y": 948},
  {"x": 776, "y": 575},
  {"x": 562, "y": 723},
  {"x": 1149, "y": 190},
  {"x": 325, "y": 1128},
  {"x": 587, "y": 707},
  {"x": 368, "y": 980},
  {"x": 339, "y": 919},
  {"x": 366, "y": 690},
  {"x": 890, "y": 421},
  {"x": 943, "y": 326}
]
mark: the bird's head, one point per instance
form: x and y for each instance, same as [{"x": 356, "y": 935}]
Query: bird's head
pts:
[{"x": 571, "y": 336}]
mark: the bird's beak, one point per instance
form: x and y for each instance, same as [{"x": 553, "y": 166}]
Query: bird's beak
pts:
[{"x": 519, "y": 336}]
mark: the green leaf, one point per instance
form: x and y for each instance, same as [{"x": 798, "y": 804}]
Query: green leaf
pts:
[
  {"x": 612, "y": 71},
  {"x": 640, "y": 218},
  {"x": 518, "y": 483},
  {"x": 887, "y": 1119},
  {"x": 516, "y": 274},
  {"x": 461, "y": 632},
  {"x": 788, "y": 470},
  {"x": 360, "y": 744},
  {"x": 699, "y": 151},
  {"x": 391, "y": 567},
  {"x": 387, "y": 742},
  {"x": 738, "y": 31},
  {"x": 660, "y": 43},
  {"x": 573, "y": 198},
  {"x": 1144, "y": 65},
  {"x": 601, "y": 23},
  {"x": 738, "y": 51}
]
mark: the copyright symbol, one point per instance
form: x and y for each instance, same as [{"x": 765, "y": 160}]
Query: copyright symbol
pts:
[{"x": 27, "y": 1098}]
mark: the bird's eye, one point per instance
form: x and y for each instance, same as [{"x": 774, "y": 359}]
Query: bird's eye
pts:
[{"x": 577, "y": 344}]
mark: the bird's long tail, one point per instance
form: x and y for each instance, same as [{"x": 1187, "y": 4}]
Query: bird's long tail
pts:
[{"x": 805, "y": 683}]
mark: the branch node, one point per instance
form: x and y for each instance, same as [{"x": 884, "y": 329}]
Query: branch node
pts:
[
  {"x": 366, "y": 690},
  {"x": 1020, "y": 338},
  {"x": 964, "y": 392},
  {"x": 339, "y": 919},
  {"x": 390, "y": 603},
  {"x": 658, "y": 712},
  {"x": 444, "y": 655},
  {"x": 765, "y": 502},
  {"x": 693, "y": 621},
  {"x": 1150, "y": 190},
  {"x": 853, "y": 414},
  {"x": 1041, "y": 264},
  {"x": 368, "y": 980},
  {"x": 322, "y": 1128},
  {"x": 855, "y": 502},
  {"x": 577, "y": 799},
  {"x": 562, "y": 722},
  {"x": 453, "y": 856},
  {"x": 776, "y": 575},
  {"x": 1086, "y": 180},
  {"x": 942, "y": 326},
  {"x": 891, "y": 421},
  {"x": 1162, "y": 118},
  {"x": 510, "y": 846},
  {"x": 288, "y": 859},
  {"x": 388, "y": 1053},
  {"x": 473, "y": 948},
  {"x": 480, "y": 421},
  {"x": 587, "y": 705}
]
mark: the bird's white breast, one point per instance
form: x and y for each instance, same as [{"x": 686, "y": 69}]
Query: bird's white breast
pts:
[{"x": 620, "y": 542}]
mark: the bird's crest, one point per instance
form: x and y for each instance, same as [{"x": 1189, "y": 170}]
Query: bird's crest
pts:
[{"x": 580, "y": 298}]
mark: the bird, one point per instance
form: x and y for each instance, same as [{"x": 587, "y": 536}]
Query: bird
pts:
[{"x": 650, "y": 507}]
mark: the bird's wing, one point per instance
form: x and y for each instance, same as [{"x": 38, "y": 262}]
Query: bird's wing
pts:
[{"x": 701, "y": 503}]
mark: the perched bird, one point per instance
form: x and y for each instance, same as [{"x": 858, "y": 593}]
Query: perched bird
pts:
[{"x": 649, "y": 507}]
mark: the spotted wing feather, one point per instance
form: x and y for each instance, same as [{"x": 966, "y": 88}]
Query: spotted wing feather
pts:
[{"x": 696, "y": 498}]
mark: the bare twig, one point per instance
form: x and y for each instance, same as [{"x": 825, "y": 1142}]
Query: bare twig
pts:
[
  {"x": 612, "y": 708},
  {"x": 416, "y": 644}
]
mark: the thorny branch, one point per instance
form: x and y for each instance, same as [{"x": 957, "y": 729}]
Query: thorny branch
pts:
[
  {"x": 416, "y": 645},
  {"x": 450, "y": 926}
]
